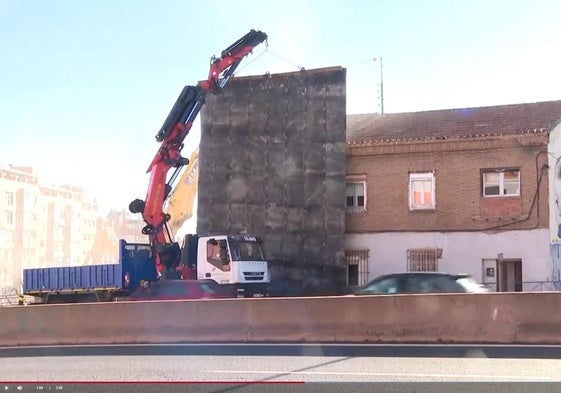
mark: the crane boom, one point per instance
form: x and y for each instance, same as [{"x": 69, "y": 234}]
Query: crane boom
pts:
[{"x": 171, "y": 135}]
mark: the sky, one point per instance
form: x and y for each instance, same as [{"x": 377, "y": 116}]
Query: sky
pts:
[{"x": 86, "y": 84}]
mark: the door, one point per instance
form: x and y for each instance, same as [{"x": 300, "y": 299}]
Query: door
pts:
[
  {"x": 357, "y": 267},
  {"x": 509, "y": 275}
]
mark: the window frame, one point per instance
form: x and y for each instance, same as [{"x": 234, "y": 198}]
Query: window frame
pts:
[
  {"x": 9, "y": 198},
  {"x": 423, "y": 259},
  {"x": 356, "y": 180},
  {"x": 424, "y": 176},
  {"x": 9, "y": 217},
  {"x": 501, "y": 172}
]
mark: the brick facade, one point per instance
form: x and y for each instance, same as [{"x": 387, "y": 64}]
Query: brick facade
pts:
[{"x": 458, "y": 165}]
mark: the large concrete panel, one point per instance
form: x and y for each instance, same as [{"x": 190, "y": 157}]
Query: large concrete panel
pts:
[
  {"x": 505, "y": 318},
  {"x": 272, "y": 163}
]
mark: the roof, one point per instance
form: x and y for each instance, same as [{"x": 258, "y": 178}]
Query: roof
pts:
[{"x": 538, "y": 117}]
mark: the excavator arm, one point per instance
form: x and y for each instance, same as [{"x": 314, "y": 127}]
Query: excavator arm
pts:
[{"x": 172, "y": 134}]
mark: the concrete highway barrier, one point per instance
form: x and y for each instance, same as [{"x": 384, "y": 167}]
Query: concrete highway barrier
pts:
[{"x": 532, "y": 318}]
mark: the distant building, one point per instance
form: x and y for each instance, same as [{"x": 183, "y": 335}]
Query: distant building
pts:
[
  {"x": 118, "y": 224},
  {"x": 47, "y": 226},
  {"x": 70, "y": 227},
  {"x": 125, "y": 225}
]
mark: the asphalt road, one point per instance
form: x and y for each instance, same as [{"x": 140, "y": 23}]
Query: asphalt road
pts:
[{"x": 254, "y": 363}]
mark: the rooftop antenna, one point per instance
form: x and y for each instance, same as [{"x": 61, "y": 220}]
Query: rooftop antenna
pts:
[{"x": 381, "y": 84}]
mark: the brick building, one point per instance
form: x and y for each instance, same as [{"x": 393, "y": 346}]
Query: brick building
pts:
[{"x": 460, "y": 190}]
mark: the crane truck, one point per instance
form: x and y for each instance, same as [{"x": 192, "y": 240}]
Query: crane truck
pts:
[
  {"x": 172, "y": 260},
  {"x": 235, "y": 262}
]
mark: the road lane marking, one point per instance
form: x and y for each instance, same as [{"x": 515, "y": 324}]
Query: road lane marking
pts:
[{"x": 370, "y": 374}]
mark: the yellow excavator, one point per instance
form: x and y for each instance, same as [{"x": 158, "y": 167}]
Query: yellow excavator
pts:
[{"x": 181, "y": 200}]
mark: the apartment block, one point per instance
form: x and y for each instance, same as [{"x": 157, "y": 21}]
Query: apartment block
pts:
[{"x": 41, "y": 226}]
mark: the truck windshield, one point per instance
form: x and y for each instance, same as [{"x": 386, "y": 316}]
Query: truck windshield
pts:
[{"x": 246, "y": 251}]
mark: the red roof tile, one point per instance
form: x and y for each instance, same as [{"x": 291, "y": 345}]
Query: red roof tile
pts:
[{"x": 454, "y": 123}]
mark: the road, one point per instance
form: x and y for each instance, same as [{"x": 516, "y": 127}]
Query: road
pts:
[{"x": 267, "y": 363}]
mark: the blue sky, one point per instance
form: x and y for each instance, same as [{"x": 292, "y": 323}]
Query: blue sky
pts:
[{"x": 85, "y": 85}]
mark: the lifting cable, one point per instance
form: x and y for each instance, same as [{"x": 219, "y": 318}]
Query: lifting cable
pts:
[
  {"x": 271, "y": 53},
  {"x": 288, "y": 61}
]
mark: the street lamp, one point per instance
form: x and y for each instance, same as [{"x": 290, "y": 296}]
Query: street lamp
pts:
[{"x": 381, "y": 84}]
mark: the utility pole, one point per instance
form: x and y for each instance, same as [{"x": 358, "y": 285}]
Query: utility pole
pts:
[{"x": 381, "y": 84}]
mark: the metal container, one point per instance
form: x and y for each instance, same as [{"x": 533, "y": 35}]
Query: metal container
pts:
[{"x": 136, "y": 264}]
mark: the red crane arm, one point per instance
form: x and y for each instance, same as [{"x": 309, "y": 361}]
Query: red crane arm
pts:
[{"x": 172, "y": 134}]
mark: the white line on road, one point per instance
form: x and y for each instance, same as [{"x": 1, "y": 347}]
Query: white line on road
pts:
[{"x": 414, "y": 375}]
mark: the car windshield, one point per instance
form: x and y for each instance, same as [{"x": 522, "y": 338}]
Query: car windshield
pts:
[{"x": 383, "y": 285}]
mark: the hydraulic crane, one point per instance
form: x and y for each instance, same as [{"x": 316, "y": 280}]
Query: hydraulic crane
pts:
[{"x": 175, "y": 129}]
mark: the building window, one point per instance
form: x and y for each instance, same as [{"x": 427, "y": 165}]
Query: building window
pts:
[
  {"x": 6, "y": 236},
  {"x": 9, "y": 198},
  {"x": 356, "y": 196},
  {"x": 9, "y": 217},
  {"x": 357, "y": 267},
  {"x": 503, "y": 182},
  {"x": 60, "y": 247},
  {"x": 422, "y": 191},
  {"x": 423, "y": 259}
]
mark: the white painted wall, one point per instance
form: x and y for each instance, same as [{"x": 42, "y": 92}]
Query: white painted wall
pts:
[
  {"x": 554, "y": 160},
  {"x": 462, "y": 252}
]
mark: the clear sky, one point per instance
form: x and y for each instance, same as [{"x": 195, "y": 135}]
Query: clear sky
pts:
[{"x": 86, "y": 84}]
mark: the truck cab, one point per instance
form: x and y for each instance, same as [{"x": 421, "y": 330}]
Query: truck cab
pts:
[{"x": 234, "y": 262}]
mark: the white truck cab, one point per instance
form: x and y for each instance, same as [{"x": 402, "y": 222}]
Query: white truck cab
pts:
[{"x": 237, "y": 262}]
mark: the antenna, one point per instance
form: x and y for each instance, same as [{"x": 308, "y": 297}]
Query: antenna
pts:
[{"x": 381, "y": 83}]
